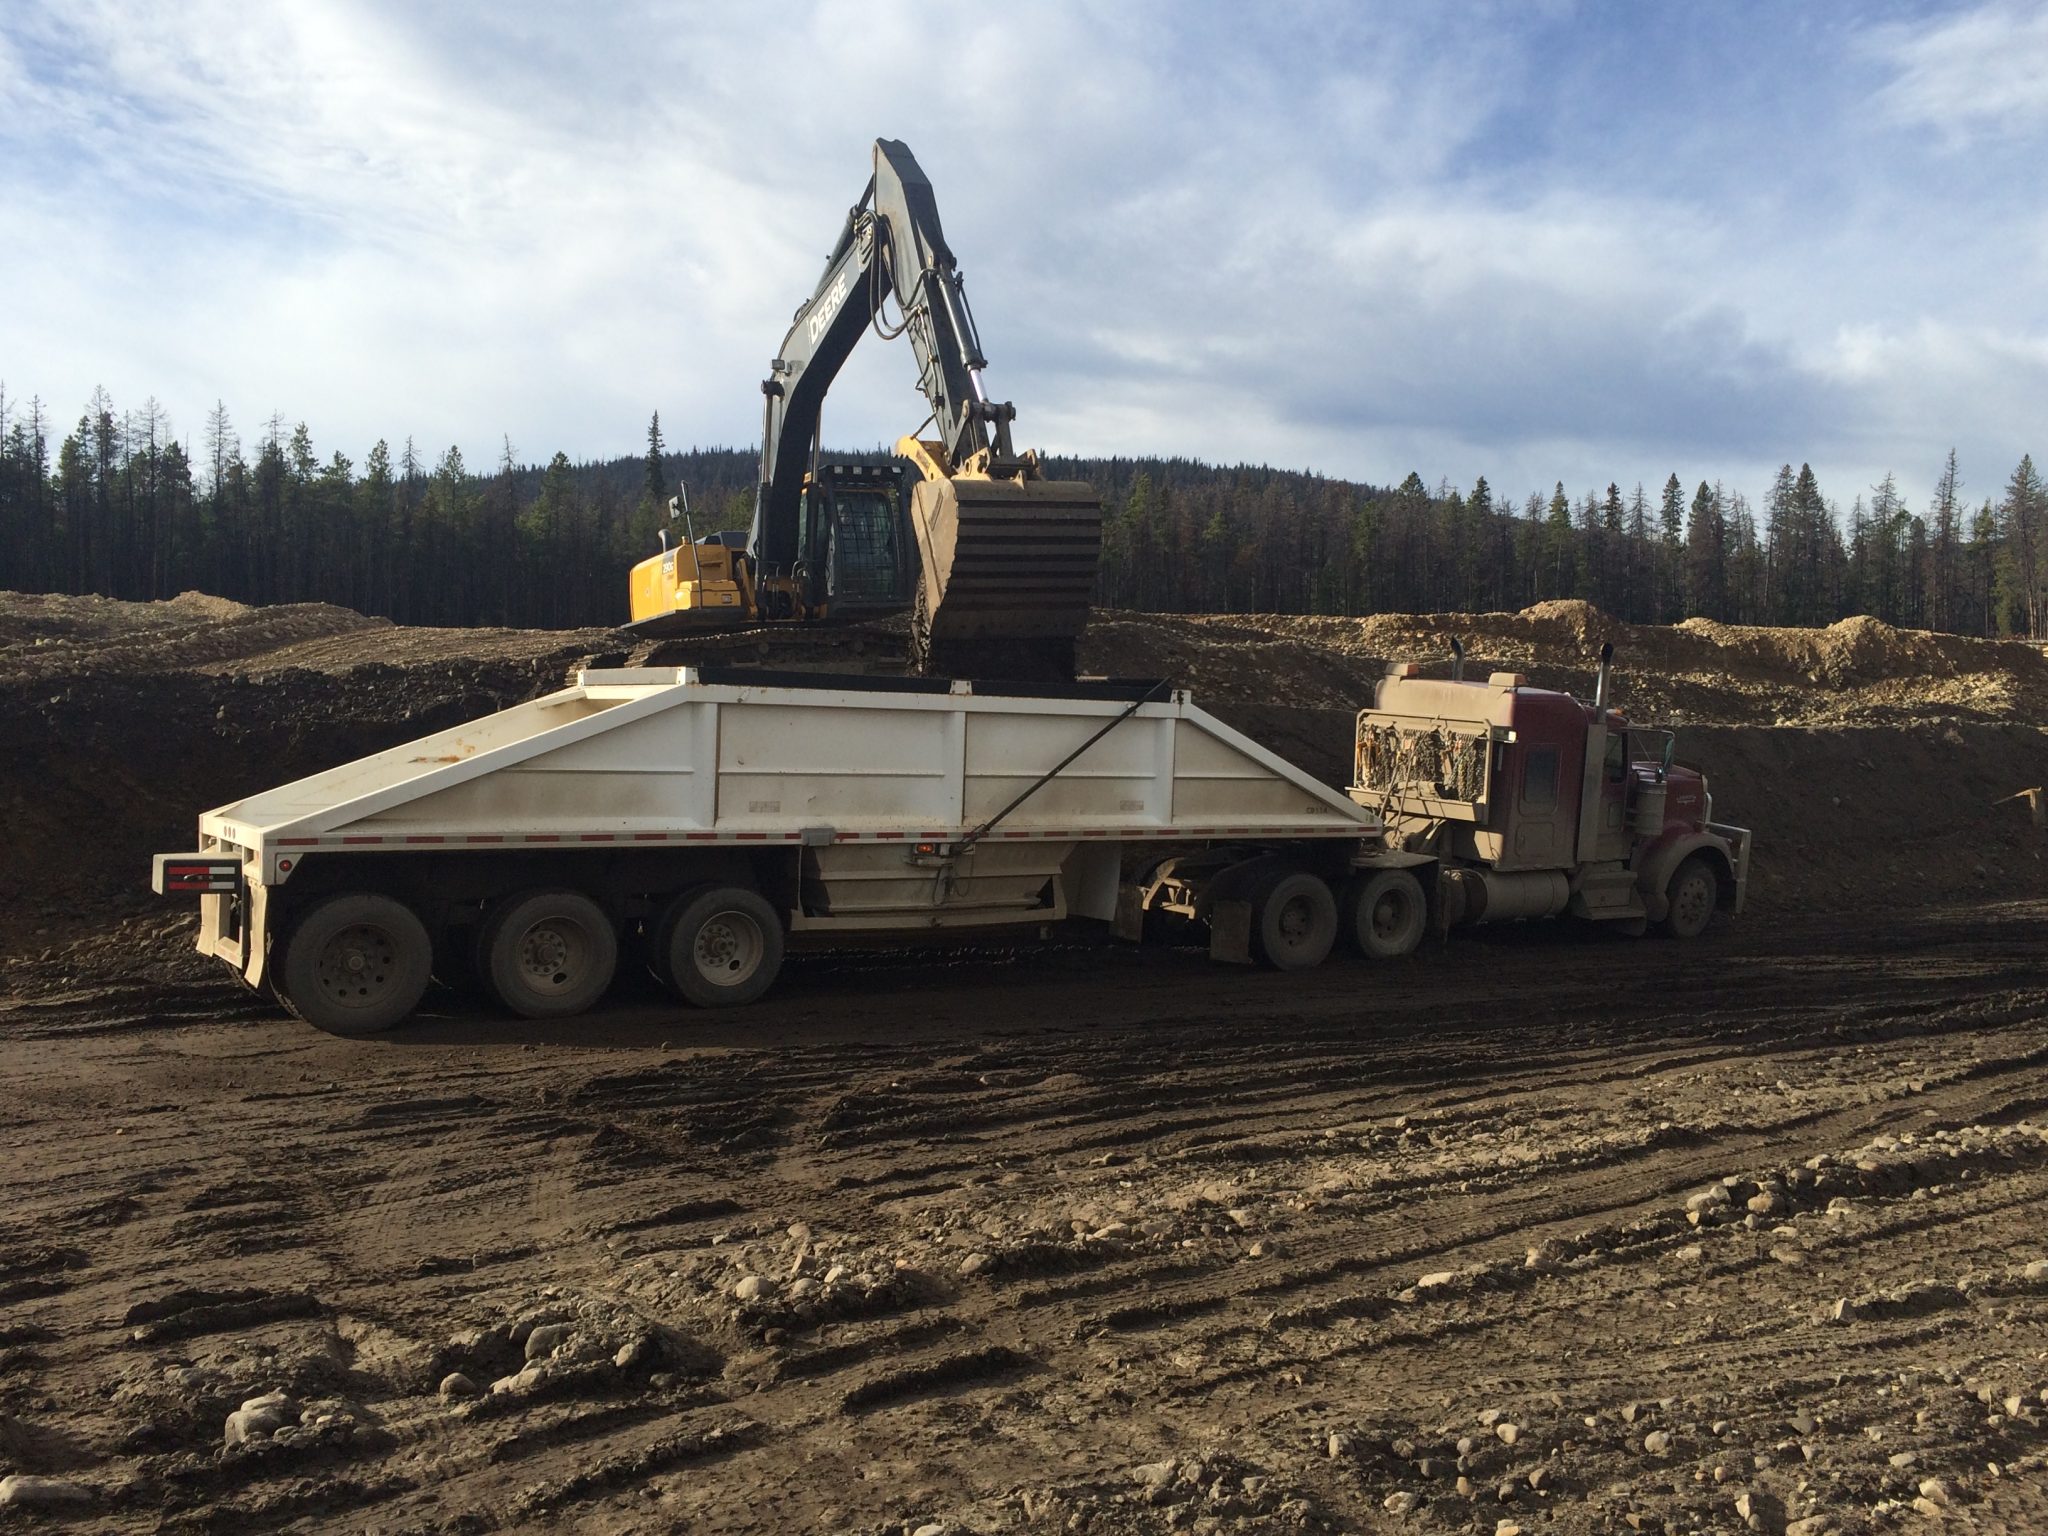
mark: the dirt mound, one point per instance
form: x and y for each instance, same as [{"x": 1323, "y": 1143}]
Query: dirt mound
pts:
[
  {"x": 1856, "y": 671},
  {"x": 44, "y": 638}
]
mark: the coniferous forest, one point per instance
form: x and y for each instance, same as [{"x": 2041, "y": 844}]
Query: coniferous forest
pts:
[{"x": 119, "y": 503}]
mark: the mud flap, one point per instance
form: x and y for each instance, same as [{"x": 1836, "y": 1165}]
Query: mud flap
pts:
[
  {"x": 1230, "y": 932},
  {"x": 1129, "y": 921},
  {"x": 256, "y": 935}
]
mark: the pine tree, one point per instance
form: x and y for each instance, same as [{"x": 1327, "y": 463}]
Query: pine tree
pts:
[
  {"x": 2023, "y": 526},
  {"x": 1671, "y": 553},
  {"x": 1944, "y": 549},
  {"x": 1558, "y": 542},
  {"x": 1706, "y": 557}
]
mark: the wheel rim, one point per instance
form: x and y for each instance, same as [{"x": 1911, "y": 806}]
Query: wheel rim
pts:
[
  {"x": 1389, "y": 916},
  {"x": 554, "y": 955},
  {"x": 1690, "y": 905},
  {"x": 728, "y": 948},
  {"x": 358, "y": 966},
  {"x": 1297, "y": 921}
]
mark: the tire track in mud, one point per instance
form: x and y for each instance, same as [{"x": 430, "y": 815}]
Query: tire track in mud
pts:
[{"x": 443, "y": 1186}]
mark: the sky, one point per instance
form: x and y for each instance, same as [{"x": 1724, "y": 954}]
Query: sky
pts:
[{"x": 1530, "y": 240}]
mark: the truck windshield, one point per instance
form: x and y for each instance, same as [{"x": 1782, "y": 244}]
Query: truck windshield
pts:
[{"x": 1652, "y": 746}]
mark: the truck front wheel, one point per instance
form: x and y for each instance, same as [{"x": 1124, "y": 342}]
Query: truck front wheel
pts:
[
  {"x": 721, "y": 946},
  {"x": 1692, "y": 895},
  {"x": 549, "y": 954},
  {"x": 1386, "y": 913},
  {"x": 1294, "y": 921},
  {"x": 355, "y": 964}
]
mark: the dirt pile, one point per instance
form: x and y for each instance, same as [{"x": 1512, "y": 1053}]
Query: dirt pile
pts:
[{"x": 1855, "y": 671}]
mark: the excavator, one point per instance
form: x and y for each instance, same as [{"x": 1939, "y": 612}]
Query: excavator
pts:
[{"x": 995, "y": 562}]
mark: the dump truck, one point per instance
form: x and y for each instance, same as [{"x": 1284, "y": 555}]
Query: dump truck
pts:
[
  {"x": 708, "y": 820},
  {"x": 994, "y": 561}
]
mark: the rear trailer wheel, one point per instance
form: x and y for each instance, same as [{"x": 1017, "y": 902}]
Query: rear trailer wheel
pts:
[
  {"x": 355, "y": 964},
  {"x": 722, "y": 946},
  {"x": 1294, "y": 921},
  {"x": 549, "y": 954},
  {"x": 1385, "y": 913},
  {"x": 1692, "y": 895}
]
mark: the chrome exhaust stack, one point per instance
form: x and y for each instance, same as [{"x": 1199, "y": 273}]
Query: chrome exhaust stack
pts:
[
  {"x": 1600, "y": 683},
  {"x": 1457, "y": 660}
]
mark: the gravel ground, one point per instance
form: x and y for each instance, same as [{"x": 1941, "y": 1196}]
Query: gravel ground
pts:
[{"x": 1538, "y": 1230}]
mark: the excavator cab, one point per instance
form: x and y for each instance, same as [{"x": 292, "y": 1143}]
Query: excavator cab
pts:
[{"x": 857, "y": 556}]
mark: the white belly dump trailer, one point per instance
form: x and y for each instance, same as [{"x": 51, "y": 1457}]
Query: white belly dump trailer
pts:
[{"x": 711, "y": 817}]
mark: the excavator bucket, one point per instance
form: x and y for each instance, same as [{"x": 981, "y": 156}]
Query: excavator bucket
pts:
[{"x": 1006, "y": 577}]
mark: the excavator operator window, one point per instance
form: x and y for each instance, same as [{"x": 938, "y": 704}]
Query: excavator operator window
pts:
[{"x": 865, "y": 559}]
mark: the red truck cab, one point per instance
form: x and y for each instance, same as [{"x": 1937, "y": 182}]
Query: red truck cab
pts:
[{"x": 1529, "y": 802}]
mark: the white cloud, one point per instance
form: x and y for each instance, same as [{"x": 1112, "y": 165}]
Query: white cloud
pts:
[
  {"x": 1984, "y": 71},
  {"x": 1295, "y": 243}
]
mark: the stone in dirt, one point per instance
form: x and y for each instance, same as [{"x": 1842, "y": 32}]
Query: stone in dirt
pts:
[
  {"x": 259, "y": 1417},
  {"x": 544, "y": 1340},
  {"x": 751, "y": 1288},
  {"x": 524, "y": 1381},
  {"x": 1657, "y": 1442},
  {"x": 455, "y": 1384},
  {"x": 1402, "y": 1503},
  {"x": 25, "y": 1491}
]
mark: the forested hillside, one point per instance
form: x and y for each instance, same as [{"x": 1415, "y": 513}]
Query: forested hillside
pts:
[{"x": 118, "y": 503}]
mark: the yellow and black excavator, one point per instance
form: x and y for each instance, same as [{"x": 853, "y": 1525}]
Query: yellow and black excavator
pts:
[{"x": 995, "y": 562}]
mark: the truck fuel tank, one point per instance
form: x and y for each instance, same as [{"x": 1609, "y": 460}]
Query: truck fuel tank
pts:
[{"x": 1488, "y": 896}]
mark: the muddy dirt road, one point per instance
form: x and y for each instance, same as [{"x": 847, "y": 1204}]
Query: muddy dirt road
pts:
[{"x": 1536, "y": 1232}]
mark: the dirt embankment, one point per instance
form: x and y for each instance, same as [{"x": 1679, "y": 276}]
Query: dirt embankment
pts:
[
  {"x": 1858, "y": 671},
  {"x": 1867, "y": 759}
]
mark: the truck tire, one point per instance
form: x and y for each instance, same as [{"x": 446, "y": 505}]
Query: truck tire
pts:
[
  {"x": 548, "y": 954},
  {"x": 1294, "y": 921},
  {"x": 721, "y": 946},
  {"x": 1385, "y": 913},
  {"x": 1691, "y": 898},
  {"x": 655, "y": 935},
  {"x": 355, "y": 964}
]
